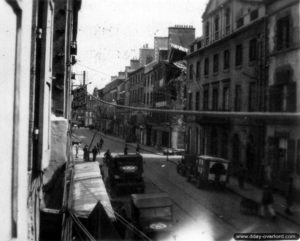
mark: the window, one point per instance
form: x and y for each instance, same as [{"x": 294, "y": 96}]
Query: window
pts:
[
  {"x": 191, "y": 72},
  {"x": 238, "y": 55},
  {"x": 198, "y": 69},
  {"x": 226, "y": 59},
  {"x": 252, "y": 49},
  {"x": 190, "y": 100},
  {"x": 199, "y": 45},
  {"x": 216, "y": 63},
  {"x": 252, "y": 97},
  {"x": 217, "y": 27},
  {"x": 254, "y": 14},
  {"x": 207, "y": 33},
  {"x": 226, "y": 98},
  {"x": 227, "y": 20},
  {"x": 283, "y": 33},
  {"x": 205, "y": 98},
  {"x": 283, "y": 93},
  {"x": 240, "y": 22},
  {"x": 197, "y": 107},
  {"x": 215, "y": 97},
  {"x": 206, "y": 66},
  {"x": 238, "y": 98}
]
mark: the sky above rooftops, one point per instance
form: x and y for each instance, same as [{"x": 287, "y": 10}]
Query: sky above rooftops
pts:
[{"x": 110, "y": 32}]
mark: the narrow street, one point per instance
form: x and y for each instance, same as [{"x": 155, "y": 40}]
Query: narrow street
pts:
[{"x": 198, "y": 214}]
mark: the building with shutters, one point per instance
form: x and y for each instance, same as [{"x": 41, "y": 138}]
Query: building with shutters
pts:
[
  {"x": 226, "y": 73},
  {"x": 283, "y": 136},
  {"x": 36, "y": 144}
]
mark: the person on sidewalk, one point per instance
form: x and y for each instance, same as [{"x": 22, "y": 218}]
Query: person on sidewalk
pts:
[
  {"x": 76, "y": 150},
  {"x": 86, "y": 153},
  {"x": 268, "y": 173},
  {"x": 125, "y": 149},
  {"x": 94, "y": 151},
  {"x": 289, "y": 197},
  {"x": 267, "y": 202},
  {"x": 107, "y": 157},
  {"x": 101, "y": 142},
  {"x": 137, "y": 149}
]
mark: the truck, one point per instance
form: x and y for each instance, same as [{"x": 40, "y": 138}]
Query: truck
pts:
[
  {"x": 152, "y": 214},
  {"x": 209, "y": 170},
  {"x": 186, "y": 163},
  {"x": 125, "y": 173}
]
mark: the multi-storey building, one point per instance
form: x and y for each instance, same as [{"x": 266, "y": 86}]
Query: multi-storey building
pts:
[
  {"x": 137, "y": 99},
  {"x": 29, "y": 150},
  {"x": 283, "y": 136},
  {"x": 226, "y": 69}
]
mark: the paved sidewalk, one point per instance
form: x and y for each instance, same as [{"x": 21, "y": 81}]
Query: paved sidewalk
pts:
[{"x": 250, "y": 191}]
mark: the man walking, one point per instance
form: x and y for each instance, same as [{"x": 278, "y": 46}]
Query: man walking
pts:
[{"x": 94, "y": 151}]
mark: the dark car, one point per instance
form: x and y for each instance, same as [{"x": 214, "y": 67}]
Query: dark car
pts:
[
  {"x": 125, "y": 172},
  {"x": 152, "y": 214},
  {"x": 186, "y": 163}
]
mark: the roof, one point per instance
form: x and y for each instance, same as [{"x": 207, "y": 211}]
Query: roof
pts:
[
  {"x": 89, "y": 189},
  {"x": 150, "y": 200},
  {"x": 149, "y": 67},
  {"x": 206, "y": 157}
]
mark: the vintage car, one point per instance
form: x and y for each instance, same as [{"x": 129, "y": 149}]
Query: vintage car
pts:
[
  {"x": 187, "y": 162},
  {"x": 209, "y": 170},
  {"x": 125, "y": 172},
  {"x": 173, "y": 151},
  {"x": 152, "y": 214}
]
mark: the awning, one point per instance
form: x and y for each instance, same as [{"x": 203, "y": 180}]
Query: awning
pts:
[{"x": 88, "y": 189}]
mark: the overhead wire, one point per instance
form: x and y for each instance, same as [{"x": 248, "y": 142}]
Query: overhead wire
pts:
[{"x": 280, "y": 115}]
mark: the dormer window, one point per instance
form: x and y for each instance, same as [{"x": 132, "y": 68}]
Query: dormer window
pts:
[
  {"x": 240, "y": 22},
  {"x": 254, "y": 15}
]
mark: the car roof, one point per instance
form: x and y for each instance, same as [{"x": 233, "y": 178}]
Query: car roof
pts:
[
  {"x": 129, "y": 156},
  {"x": 151, "y": 200},
  {"x": 207, "y": 157}
]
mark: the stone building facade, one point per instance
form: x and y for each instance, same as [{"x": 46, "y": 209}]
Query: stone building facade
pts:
[
  {"x": 283, "y": 136},
  {"x": 225, "y": 73}
]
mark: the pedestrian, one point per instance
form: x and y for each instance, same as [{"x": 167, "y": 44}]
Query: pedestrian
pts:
[
  {"x": 101, "y": 142},
  {"x": 267, "y": 202},
  {"x": 86, "y": 153},
  {"x": 137, "y": 149},
  {"x": 289, "y": 197},
  {"x": 107, "y": 157},
  {"x": 268, "y": 174},
  {"x": 241, "y": 176},
  {"x": 76, "y": 150},
  {"x": 94, "y": 151},
  {"x": 125, "y": 149}
]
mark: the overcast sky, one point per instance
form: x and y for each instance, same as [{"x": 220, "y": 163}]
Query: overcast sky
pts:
[{"x": 111, "y": 32}]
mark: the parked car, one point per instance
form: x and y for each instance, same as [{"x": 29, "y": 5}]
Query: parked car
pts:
[
  {"x": 152, "y": 214},
  {"x": 173, "y": 151},
  {"x": 125, "y": 172},
  {"x": 186, "y": 163},
  {"x": 209, "y": 170}
]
